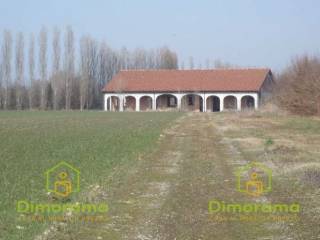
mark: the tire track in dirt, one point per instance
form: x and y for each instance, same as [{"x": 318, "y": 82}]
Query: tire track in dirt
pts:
[
  {"x": 176, "y": 182},
  {"x": 146, "y": 189},
  {"x": 205, "y": 174}
]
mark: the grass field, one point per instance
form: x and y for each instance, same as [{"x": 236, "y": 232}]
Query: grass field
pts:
[
  {"x": 158, "y": 171},
  {"x": 94, "y": 142}
]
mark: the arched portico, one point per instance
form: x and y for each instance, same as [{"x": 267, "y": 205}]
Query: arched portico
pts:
[
  {"x": 195, "y": 101},
  {"x": 247, "y": 102},
  {"x": 113, "y": 103},
  {"x": 213, "y": 104},
  {"x": 192, "y": 102},
  {"x": 166, "y": 101},
  {"x": 129, "y": 103},
  {"x": 230, "y": 103},
  {"x": 146, "y": 103}
]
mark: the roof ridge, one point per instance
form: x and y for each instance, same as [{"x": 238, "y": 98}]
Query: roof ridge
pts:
[{"x": 181, "y": 70}]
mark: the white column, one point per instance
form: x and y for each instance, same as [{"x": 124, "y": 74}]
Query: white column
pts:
[
  {"x": 238, "y": 102},
  {"x": 110, "y": 104},
  {"x": 221, "y": 103},
  {"x": 179, "y": 101},
  {"x": 204, "y": 103},
  {"x": 137, "y": 104},
  {"x": 154, "y": 102},
  {"x": 105, "y": 107},
  {"x": 121, "y": 103},
  {"x": 256, "y": 102}
]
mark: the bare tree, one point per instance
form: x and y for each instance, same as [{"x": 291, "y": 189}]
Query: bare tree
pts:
[
  {"x": 31, "y": 71},
  {"x": 182, "y": 65},
  {"x": 85, "y": 65},
  {"x": 6, "y": 64},
  {"x": 102, "y": 70},
  {"x": 124, "y": 56},
  {"x": 298, "y": 87},
  {"x": 191, "y": 63},
  {"x": 1, "y": 84},
  {"x": 19, "y": 69},
  {"x": 92, "y": 71},
  {"x": 169, "y": 59},
  {"x": 93, "y": 91},
  {"x": 56, "y": 66},
  {"x": 43, "y": 66},
  {"x": 208, "y": 63},
  {"x": 69, "y": 66},
  {"x": 113, "y": 61},
  {"x": 218, "y": 64},
  {"x": 151, "y": 59}
]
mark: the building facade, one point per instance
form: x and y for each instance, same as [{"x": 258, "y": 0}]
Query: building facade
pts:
[{"x": 187, "y": 90}]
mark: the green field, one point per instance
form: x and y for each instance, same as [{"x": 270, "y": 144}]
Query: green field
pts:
[
  {"x": 158, "y": 172},
  {"x": 94, "y": 142}
]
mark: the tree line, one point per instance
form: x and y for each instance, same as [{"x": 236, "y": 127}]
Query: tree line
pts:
[{"x": 57, "y": 73}]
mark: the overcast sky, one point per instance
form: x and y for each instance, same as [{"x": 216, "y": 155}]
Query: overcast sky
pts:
[{"x": 243, "y": 32}]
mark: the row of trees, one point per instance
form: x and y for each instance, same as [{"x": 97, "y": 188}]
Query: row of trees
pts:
[
  {"x": 66, "y": 75},
  {"x": 208, "y": 64}
]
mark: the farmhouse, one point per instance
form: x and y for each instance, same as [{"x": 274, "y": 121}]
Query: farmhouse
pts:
[{"x": 187, "y": 90}]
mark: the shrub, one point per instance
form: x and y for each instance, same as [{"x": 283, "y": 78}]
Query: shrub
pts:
[{"x": 298, "y": 87}]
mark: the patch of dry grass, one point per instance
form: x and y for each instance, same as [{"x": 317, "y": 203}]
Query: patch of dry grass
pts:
[{"x": 289, "y": 145}]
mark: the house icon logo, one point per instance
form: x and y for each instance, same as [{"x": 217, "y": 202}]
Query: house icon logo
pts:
[
  {"x": 254, "y": 179},
  {"x": 62, "y": 180}
]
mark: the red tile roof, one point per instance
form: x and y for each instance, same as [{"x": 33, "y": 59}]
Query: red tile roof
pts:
[{"x": 239, "y": 80}]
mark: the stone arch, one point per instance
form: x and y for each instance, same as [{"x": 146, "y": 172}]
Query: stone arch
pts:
[
  {"x": 192, "y": 102},
  {"x": 166, "y": 102},
  {"x": 146, "y": 103},
  {"x": 247, "y": 102},
  {"x": 213, "y": 104},
  {"x": 130, "y": 103},
  {"x": 230, "y": 102}
]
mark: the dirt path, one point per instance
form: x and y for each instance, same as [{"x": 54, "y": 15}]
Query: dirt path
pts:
[
  {"x": 164, "y": 195},
  {"x": 167, "y": 195}
]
